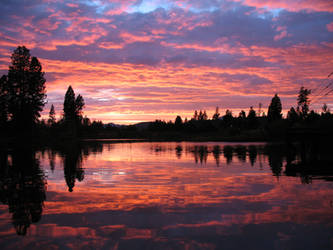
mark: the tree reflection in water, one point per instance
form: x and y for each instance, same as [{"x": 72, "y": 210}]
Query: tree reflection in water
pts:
[
  {"x": 287, "y": 159},
  {"x": 22, "y": 187},
  {"x": 216, "y": 153},
  {"x": 72, "y": 155},
  {"x": 72, "y": 158},
  {"x": 23, "y": 183}
]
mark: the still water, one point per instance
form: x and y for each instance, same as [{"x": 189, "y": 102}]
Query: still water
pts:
[{"x": 165, "y": 196}]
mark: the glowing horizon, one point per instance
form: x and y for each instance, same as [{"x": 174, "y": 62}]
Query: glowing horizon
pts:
[{"x": 136, "y": 61}]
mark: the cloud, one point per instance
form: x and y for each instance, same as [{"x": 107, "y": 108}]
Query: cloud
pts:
[
  {"x": 161, "y": 58},
  {"x": 330, "y": 27},
  {"x": 297, "y": 5}
]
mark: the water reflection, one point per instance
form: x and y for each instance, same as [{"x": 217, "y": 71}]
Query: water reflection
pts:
[
  {"x": 216, "y": 153},
  {"x": 290, "y": 160},
  {"x": 72, "y": 162},
  {"x": 252, "y": 154},
  {"x": 23, "y": 183},
  {"x": 72, "y": 155},
  {"x": 22, "y": 187},
  {"x": 167, "y": 195}
]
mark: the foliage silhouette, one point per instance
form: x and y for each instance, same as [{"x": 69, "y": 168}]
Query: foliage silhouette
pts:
[
  {"x": 252, "y": 118},
  {"x": 25, "y": 90},
  {"x": 52, "y": 119},
  {"x": 178, "y": 122},
  {"x": 303, "y": 102},
  {"x": 292, "y": 115},
  {"x": 72, "y": 111},
  {"x": 274, "y": 109},
  {"x": 216, "y": 115}
]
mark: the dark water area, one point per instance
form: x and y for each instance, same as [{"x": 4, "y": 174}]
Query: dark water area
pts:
[{"x": 166, "y": 195}]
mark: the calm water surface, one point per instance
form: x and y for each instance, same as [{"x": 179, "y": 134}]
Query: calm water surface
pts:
[{"x": 164, "y": 196}]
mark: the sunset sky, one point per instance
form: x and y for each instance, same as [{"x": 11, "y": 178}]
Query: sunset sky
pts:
[{"x": 141, "y": 60}]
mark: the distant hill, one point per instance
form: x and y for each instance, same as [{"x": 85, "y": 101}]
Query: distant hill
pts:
[
  {"x": 139, "y": 126},
  {"x": 142, "y": 125}
]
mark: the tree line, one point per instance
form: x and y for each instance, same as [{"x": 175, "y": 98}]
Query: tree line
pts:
[{"x": 23, "y": 96}]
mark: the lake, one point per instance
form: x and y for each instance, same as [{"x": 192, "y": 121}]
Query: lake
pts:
[{"x": 165, "y": 195}]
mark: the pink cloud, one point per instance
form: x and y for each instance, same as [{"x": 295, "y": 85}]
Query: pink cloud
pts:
[
  {"x": 318, "y": 5},
  {"x": 283, "y": 33},
  {"x": 330, "y": 27}
]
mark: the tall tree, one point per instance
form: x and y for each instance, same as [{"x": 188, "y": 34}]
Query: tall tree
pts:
[
  {"x": 73, "y": 107},
  {"x": 26, "y": 88},
  {"x": 52, "y": 118},
  {"x": 69, "y": 105},
  {"x": 252, "y": 118},
  {"x": 216, "y": 115},
  {"x": 303, "y": 102},
  {"x": 275, "y": 109},
  {"x": 79, "y": 105}
]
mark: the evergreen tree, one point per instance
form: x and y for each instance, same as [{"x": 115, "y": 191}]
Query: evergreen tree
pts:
[
  {"x": 252, "y": 118},
  {"x": 275, "y": 109},
  {"x": 178, "y": 121},
  {"x": 52, "y": 118},
  {"x": 79, "y": 105},
  {"x": 73, "y": 111},
  {"x": 252, "y": 114},
  {"x": 292, "y": 115},
  {"x": 26, "y": 88},
  {"x": 216, "y": 115},
  {"x": 69, "y": 105},
  {"x": 73, "y": 106},
  {"x": 303, "y": 102}
]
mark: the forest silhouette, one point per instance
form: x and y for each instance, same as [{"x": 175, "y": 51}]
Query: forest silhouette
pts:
[{"x": 23, "y": 96}]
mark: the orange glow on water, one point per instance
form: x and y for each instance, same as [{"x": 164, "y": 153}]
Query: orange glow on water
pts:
[{"x": 163, "y": 192}]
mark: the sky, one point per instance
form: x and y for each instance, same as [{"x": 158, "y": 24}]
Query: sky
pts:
[{"x": 141, "y": 60}]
